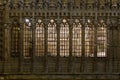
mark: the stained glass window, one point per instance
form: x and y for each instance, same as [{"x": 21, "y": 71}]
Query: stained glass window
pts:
[
  {"x": 52, "y": 38},
  {"x": 77, "y": 39},
  {"x": 89, "y": 39},
  {"x": 27, "y": 40},
  {"x": 39, "y": 39},
  {"x": 102, "y": 40},
  {"x": 64, "y": 38},
  {"x": 15, "y": 32}
]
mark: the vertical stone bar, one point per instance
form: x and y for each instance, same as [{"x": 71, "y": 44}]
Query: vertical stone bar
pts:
[
  {"x": 95, "y": 47},
  {"x": 33, "y": 43},
  {"x": 7, "y": 37},
  {"x": 83, "y": 44},
  {"x": 46, "y": 44},
  {"x": 70, "y": 46},
  {"x": 119, "y": 46},
  {"x": 58, "y": 44},
  {"x": 7, "y": 48},
  {"x": 21, "y": 44},
  {"x": 110, "y": 49}
]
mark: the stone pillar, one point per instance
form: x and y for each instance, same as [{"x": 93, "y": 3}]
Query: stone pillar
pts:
[
  {"x": 46, "y": 45},
  {"x": 58, "y": 44},
  {"x": 7, "y": 48},
  {"x": 70, "y": 46}
]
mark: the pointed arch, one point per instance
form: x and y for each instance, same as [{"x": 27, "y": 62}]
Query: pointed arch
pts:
[
  {"x": 77, "y": 39},
  {"x": 52, "y": 38},
  {"x": 102, "y": 40},
  {"x": 15, "y": 40},
  {"x": 27, "y": 40},
  {"x": 64, "y": 38},
  {"x": 39, "y": 39},
  {"x": 89, "y": 39}
]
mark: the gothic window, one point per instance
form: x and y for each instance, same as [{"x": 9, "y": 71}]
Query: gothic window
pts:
[
  {"x": 52, "y": 38},
  {"x": 77, "y": 39},
  {"x": 39, "y": 39},
  {"x": 15, "y": 31},
  {"x": 27, "y": 39},
  {"x": 64, "y": 38},
  {"x": 89, "y": 39},
  {"x": 102, "y": 40}
]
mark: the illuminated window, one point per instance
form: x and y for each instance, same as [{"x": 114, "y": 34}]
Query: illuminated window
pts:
[
  {"x": 15, "y": 40},
  {"x": 52, "y": 38},
  {"x": 89, "y": 39},
  {"x": 102, "y": 40},
  {"x": 27, "y": 39},
  {"x": 64, "y": 38},
  {"x": 77, "y": 39},
  {"x": 39, "y": 39}
]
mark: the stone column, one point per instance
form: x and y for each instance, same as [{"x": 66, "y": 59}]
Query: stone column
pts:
[
  {"x": 70, "y": 46},
  {"x": 46, "y": 45},
  {"x": 58, "y": 44}
]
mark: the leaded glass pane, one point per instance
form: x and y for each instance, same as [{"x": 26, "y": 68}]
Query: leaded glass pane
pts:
[
  {"x": 52, "y": 38},
  {"x": 89, "y": 41},
  {"x": 15, "y": 41},
  {"x": 64, "y": 39},
  {"x": 39, "y": 39},
  {"x": 101, "y": 41},
  {"x": 27, "y": 41},
  {"x": 77, "y": 40}
]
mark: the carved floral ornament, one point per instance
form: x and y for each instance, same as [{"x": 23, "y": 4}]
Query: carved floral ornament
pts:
[{"x": 70, "y": 4}]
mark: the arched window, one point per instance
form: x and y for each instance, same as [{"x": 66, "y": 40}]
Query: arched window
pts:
[
  {"x": 52, "y": 38},
  {"x": 15, "y": 32},
  {"x": 102, "y": 40},
  {"x": 64, "y": 38},
  {"x": 27, "y": 39},
  {"x": 89, "y": 39},
  {"x": 77, "y": 39},
  {"x": 39, "y": 39}
]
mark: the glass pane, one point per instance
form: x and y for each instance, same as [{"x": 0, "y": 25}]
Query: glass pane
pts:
[
  {"x": 101, "y": 42},
  {"x": 15, "y": 41},
  {"x": 27, "y": 41},
  {"x": 89, "y": 41},
  {"x": 77, "y": 40},
  {"x": 52, "y": 39},
  {"x": 64, "y": 39},
  {"x": 39, "y": 39}
]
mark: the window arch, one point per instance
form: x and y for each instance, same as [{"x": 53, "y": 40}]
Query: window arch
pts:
[
  {"x": 89, "y": 39},
  {"x": 64, "y": 38},
  {"x": 27, "y": 39},
  {"x": 102, "y": 40},
  {"x": 15, "y": 39},
  {"x": 77, "y": 39},
  {"x": 52, "y": 38},
  {"x": 39, "y": 39}
]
